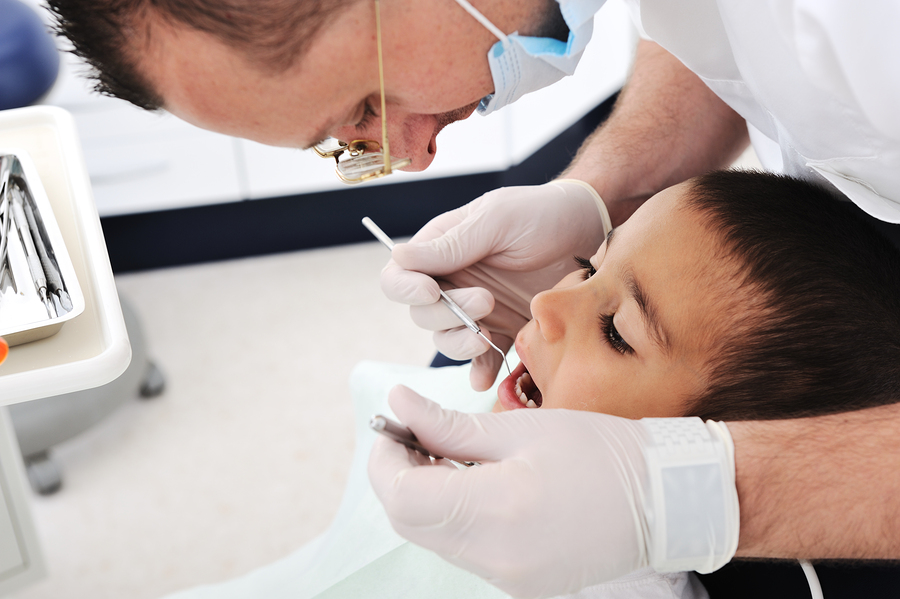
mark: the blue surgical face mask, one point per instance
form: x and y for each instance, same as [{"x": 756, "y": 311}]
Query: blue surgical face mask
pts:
[{"x": 521, "y": 64}]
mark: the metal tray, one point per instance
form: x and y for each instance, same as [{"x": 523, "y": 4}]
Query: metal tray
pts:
[{"x": 39, "y": 291}]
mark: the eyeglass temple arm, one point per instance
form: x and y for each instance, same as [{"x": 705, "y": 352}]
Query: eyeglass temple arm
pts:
[{"x": 384, "y": 137}]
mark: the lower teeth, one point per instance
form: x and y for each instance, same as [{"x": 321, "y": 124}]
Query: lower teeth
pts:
[{"x": 523, "y": 399}]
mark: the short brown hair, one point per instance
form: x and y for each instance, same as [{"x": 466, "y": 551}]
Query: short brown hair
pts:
[
  {"x": 823, "y": 334},
  {"x": 272, "y": 34}
]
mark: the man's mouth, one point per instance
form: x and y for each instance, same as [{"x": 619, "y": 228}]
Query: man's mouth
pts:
[{"x": 519, "y": 391}]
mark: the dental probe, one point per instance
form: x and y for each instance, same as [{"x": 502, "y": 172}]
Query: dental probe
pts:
[
  {"x": 31, "y": 255},
  {"x": 454, "y": 307},
  {"x": 404, "y": 436}
]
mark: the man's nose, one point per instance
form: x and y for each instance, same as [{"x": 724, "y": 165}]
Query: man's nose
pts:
[{"x": 410, "y": 136}]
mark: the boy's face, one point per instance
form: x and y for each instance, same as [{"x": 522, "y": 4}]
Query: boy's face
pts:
[{"x": 633, "y": 338}]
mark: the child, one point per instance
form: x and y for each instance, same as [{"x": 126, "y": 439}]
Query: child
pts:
[{"x": 734, "y": 295}]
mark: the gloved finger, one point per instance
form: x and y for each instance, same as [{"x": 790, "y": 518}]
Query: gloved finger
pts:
[
  {"x": 485, "y": 368},
  {"x": 461, "y": 246},
  {"x": 487, "y": 365},
  {"x": 399, "y": 478},
  {"x": 442, "y": 223},
  {"x": 408, "y": 287},
  {"x": 460, "y": 343},
  {"x": 463, "y": 344},
  {"x": 452, "y": 434},
  {"x": 475, "y": 301},
  {"x": 399, "y": 455}
]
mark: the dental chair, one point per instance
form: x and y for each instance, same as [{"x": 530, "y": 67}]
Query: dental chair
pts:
[{"x": 29, "y": 60}]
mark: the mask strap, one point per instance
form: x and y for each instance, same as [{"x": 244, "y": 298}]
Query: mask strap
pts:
[{"x": 482, "y": 19}]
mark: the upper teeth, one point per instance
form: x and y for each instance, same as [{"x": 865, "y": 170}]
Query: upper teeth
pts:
[{"x": 523, "y": 399}]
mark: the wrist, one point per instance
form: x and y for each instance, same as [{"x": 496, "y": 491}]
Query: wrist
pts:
[
  {"x": 599, "y": 204},
  {"x": 690, "y": 502}
]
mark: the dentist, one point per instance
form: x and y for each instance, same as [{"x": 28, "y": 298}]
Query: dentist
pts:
[
  {"x": 813, "y": 83},
  {"x": 808, "y": 82}
]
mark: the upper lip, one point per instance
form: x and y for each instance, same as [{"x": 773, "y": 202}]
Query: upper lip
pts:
[
  {"x": 445, "y": 118},
  {"x": 522, "y": 353}
]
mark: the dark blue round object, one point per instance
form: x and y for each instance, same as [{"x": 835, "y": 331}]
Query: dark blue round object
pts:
[{"x": 29, "y": 60}]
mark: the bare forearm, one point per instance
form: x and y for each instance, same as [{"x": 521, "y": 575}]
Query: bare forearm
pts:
[
  {"x": 667, "y": 126},
  {"x": 817, "y": 488}
]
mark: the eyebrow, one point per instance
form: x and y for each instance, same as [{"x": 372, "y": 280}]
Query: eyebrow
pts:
[{"x": 649, "y": 313}]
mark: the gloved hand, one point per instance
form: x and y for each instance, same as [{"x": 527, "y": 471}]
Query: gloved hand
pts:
[
  {"x": 563, "y": 499},
  {"x": 497, "y": 251}
]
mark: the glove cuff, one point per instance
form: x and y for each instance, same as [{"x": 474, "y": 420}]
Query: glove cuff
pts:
[
  {"x": 691, "y": 505},
  {"x": 601, "y": 206}
]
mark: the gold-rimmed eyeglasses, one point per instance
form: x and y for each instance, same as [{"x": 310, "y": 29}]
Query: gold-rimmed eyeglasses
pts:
[{"x": 363, "y": 160}]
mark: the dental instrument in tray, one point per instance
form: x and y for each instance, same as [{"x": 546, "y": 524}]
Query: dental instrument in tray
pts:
[
  {"x": 453, "y": 306},
  {"x": 31, "y": 255},
  {"x": 36, "y": 297},
  {"x": 399, "y": 433},
  {"x": 56, "y": 289}
]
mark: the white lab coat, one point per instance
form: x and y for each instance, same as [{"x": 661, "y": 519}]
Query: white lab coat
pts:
[{"x": 817, "y": 80}]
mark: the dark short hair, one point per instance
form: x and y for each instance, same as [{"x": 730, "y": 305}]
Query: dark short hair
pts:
[
  {"x": 823, "y": 334},
  {"x": 272, "y": 34}
]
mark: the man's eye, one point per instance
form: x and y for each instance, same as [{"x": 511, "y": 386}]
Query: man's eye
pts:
[
  {"x": 612, "y": 336},
  {"x": 368, "y": 115},
  {"x": 587, "y": 268}
]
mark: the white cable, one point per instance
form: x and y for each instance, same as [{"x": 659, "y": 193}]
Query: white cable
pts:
[
  {"x": 815, "y": 589},
  {"x": 482, "y": 19}
]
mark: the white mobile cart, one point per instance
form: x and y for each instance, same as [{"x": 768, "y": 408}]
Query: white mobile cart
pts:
[{"x": 89, "y": 351}]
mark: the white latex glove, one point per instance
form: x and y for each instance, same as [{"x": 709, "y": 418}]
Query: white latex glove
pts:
[
  {"x": 563, "y": 499},
  {"x": 497, "y": 251}
]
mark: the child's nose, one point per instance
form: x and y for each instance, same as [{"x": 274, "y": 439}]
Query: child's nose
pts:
[{"x": 552, "y": 310}]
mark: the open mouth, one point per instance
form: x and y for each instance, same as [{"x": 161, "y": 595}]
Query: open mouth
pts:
[{"x": 519, "y": 390}]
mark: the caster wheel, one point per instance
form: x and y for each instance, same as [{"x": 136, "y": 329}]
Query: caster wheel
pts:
[
  {"x": 43, "y": 474},
  {"x": 154, "y": 382}
]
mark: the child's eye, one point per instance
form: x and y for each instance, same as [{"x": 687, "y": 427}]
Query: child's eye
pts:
[
  {"x": 612, "y": 336},
  {"x": 366, "y": 120},
  {"x": 585, "y": 265}
]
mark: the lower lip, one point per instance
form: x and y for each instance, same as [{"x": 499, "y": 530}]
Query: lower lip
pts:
[{"x": 507, "y": 390}]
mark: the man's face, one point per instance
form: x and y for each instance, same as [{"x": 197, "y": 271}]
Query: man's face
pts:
[
  {"x": 634, "y": 338},
  {"x": 435, "y": 72}
]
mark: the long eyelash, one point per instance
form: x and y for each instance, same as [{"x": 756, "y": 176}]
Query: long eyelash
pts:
[
  {"x": 368, "y": 114},
  {"x": 585, "y": 265},
  {"x": 612, "y": 335}
]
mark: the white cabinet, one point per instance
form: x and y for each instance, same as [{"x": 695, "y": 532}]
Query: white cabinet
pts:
[{"x": 140, "y": 161}]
